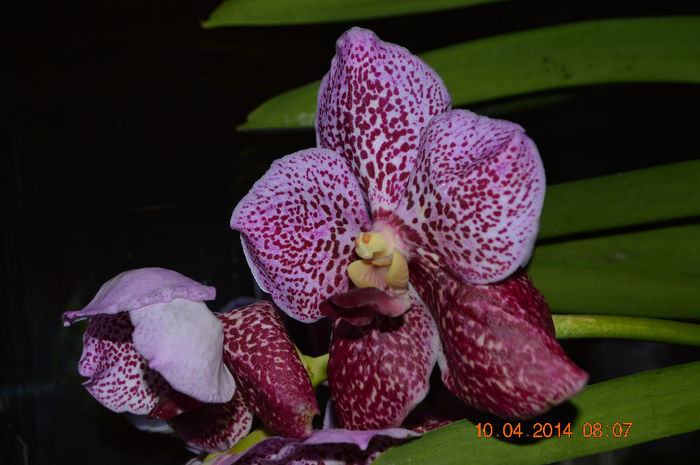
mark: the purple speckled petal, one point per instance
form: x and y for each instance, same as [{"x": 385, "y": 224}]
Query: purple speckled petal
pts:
[
  {"x": 325, "y": 447},
  {"x": 372, "y": 106},
  {"x": 268, "y": 370},
  {"x": 358, "y": 306},
  {"x": 500, "y": 354},
  {"x": 377, "y": 373},
  {"x": 183, "y": 341},
  {"x": 476, "y": 194},
  {"x": 137, "y": 288},
  {"x": 215, "y": 427},
  {"x": 119, "y": 377},
  {"x": 298, "y": 225}
]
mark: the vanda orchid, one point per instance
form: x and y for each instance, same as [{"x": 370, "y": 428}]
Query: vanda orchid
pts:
[
  {"x": 409, "y": 224},
  {"x": 152, "y": 347}
]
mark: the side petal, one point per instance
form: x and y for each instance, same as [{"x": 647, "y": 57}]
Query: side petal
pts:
[
  {"x": 500, "y": 354},
  {"x": 298, "y": 225},
  {"x": 119, "y": 377},
  {"x": 268, "y": 370},
  {"x": 476, "y": 194},
  {"x": 183, "y": 341},
  {"x": 377, "y": 373},
  {"x": 215, "y": 427},
  {"x": 137, "y": 288},
  {"x": 372, "y": 106}
]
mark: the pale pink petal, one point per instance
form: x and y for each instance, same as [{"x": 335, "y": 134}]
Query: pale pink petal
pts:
[
  {"x": 500, "y": 354},
  {"x": 119, "y": 376},
  {"x": 215, "y": 427},
  {"x": 377, "y": 373},
  {"x": 268, "y": 370},
  {"x": 372, "y": 106},
  {"x": 358, "y": 306},
  {"x": 183, "y": 341},
  {"x": 298, "y": 225},
  {"x": 137, "y": 288},
  {"x": 476, "y": 194}
]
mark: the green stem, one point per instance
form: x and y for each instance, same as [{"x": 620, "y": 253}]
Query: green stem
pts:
[{"x": 623, "y": 327}]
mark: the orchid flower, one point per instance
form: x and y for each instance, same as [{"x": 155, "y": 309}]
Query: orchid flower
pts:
[
  {"x": 152, "y": 347},
  {"x": 409, "y": 224}
]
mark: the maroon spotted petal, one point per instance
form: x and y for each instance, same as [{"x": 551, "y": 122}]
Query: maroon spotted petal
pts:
[
  {"x": 119, "y": 377},
  {"x": 500, "y": 354},
  {"x": 215, "y": 427},
  {"x": 372, "y": 106},
  {"x": 377, "y": 373},
  {"x": 476, "y": 194},
  {"x": 268, "y": 370},
  {"x": 298, "y": 225}
]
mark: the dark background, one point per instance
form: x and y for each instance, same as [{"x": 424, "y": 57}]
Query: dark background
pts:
[{"x": 121, "y": 151}]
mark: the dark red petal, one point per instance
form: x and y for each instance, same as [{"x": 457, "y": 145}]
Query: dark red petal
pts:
[
  {"x": 379, "y": 372},
  {"x": 500, "y": 354},
  {"x": 358, "y": 306},
  {"x": 267, "y": 369},
  {"x": 215, "y": 427}
]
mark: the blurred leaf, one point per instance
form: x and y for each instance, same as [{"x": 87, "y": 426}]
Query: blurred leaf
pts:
[
  {"x": 653, "y": 273},
  {"x": 657, "y": 403},
  {"x": 587, "y": 53},
  {"x": 279, "y": 12},
  {"x": 636, "y": 197}
]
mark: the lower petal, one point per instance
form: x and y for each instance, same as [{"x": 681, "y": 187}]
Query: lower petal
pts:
[
  {"x": 379, "y": 372},
  {"x": 215, "y": 427},
  {"x": 500, "y": 353}
]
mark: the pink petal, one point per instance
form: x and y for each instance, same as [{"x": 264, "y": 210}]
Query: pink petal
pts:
[
  {"x": 372, "y": 106},
  {"x": 298, "y": 225},
  {"x": 268, "y": 370},
  {"x": 476, "y": 194},
  {"x": 215, "y": 427},
  {"x": 358, "y": 306},
  {"x": 325, "y": 447},
  {"x": 500, "y": 354},
  {"x": 183, "y": 341},
  {"x": 379, "y": 372},
  {"x": 137, "y": 288},
  {"x": 119, "y": 377}
]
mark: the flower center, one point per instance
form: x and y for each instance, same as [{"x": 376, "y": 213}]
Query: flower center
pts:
[{"x": 381, "y": 265}]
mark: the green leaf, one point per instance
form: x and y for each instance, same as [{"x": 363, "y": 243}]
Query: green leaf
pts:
[
  {"x": 658, "y": 403},
  {"x": 587, "y": 53},
  {"x": 653, "y": 273},
  {"x": 628, "y": 199},
  {"x": 283, "y": 12}
]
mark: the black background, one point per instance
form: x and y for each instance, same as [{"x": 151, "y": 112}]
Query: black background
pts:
[{"x": 121, "y": 151}]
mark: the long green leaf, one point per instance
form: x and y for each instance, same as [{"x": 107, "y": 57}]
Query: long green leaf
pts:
[
  {"x": 279, "y": 12},
  {"x": 653, "y": 273},
  {"x": 657, "y": 403},
  {"x": 586, "y": 53},
  {"x": 628, "y": 199}
]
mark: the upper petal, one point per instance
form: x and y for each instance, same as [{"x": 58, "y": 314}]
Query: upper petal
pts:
[
  {"x": 298, "y": 225},
  {"x": 183, "y": 341},
  {"x": 476, "y": 194},
  {"x": 377, "y": 373},
  {"x": 268, "y": 370},
  {"x": 372, "y": 106},
  {"x": 137, "y": 288}
]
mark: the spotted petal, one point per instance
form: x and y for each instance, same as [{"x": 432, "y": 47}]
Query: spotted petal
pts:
[
  {"x": 372, "y": 106},
  {"x": 119, "y": 377},
  {"x": 215, "y": 427},
  {"x": 476, "y": 194},
  {"x": 500, "y": 354},
  {"x": 298, "y": 225},
  {"x": 138, "y": 288},
  {"x": 268, "y": 370},
  {"x": 377, "y": 373},
  {"x": 183, "y": 341}
]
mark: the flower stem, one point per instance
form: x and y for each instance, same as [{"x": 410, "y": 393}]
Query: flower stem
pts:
[{"x": 623, "y": 327}]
